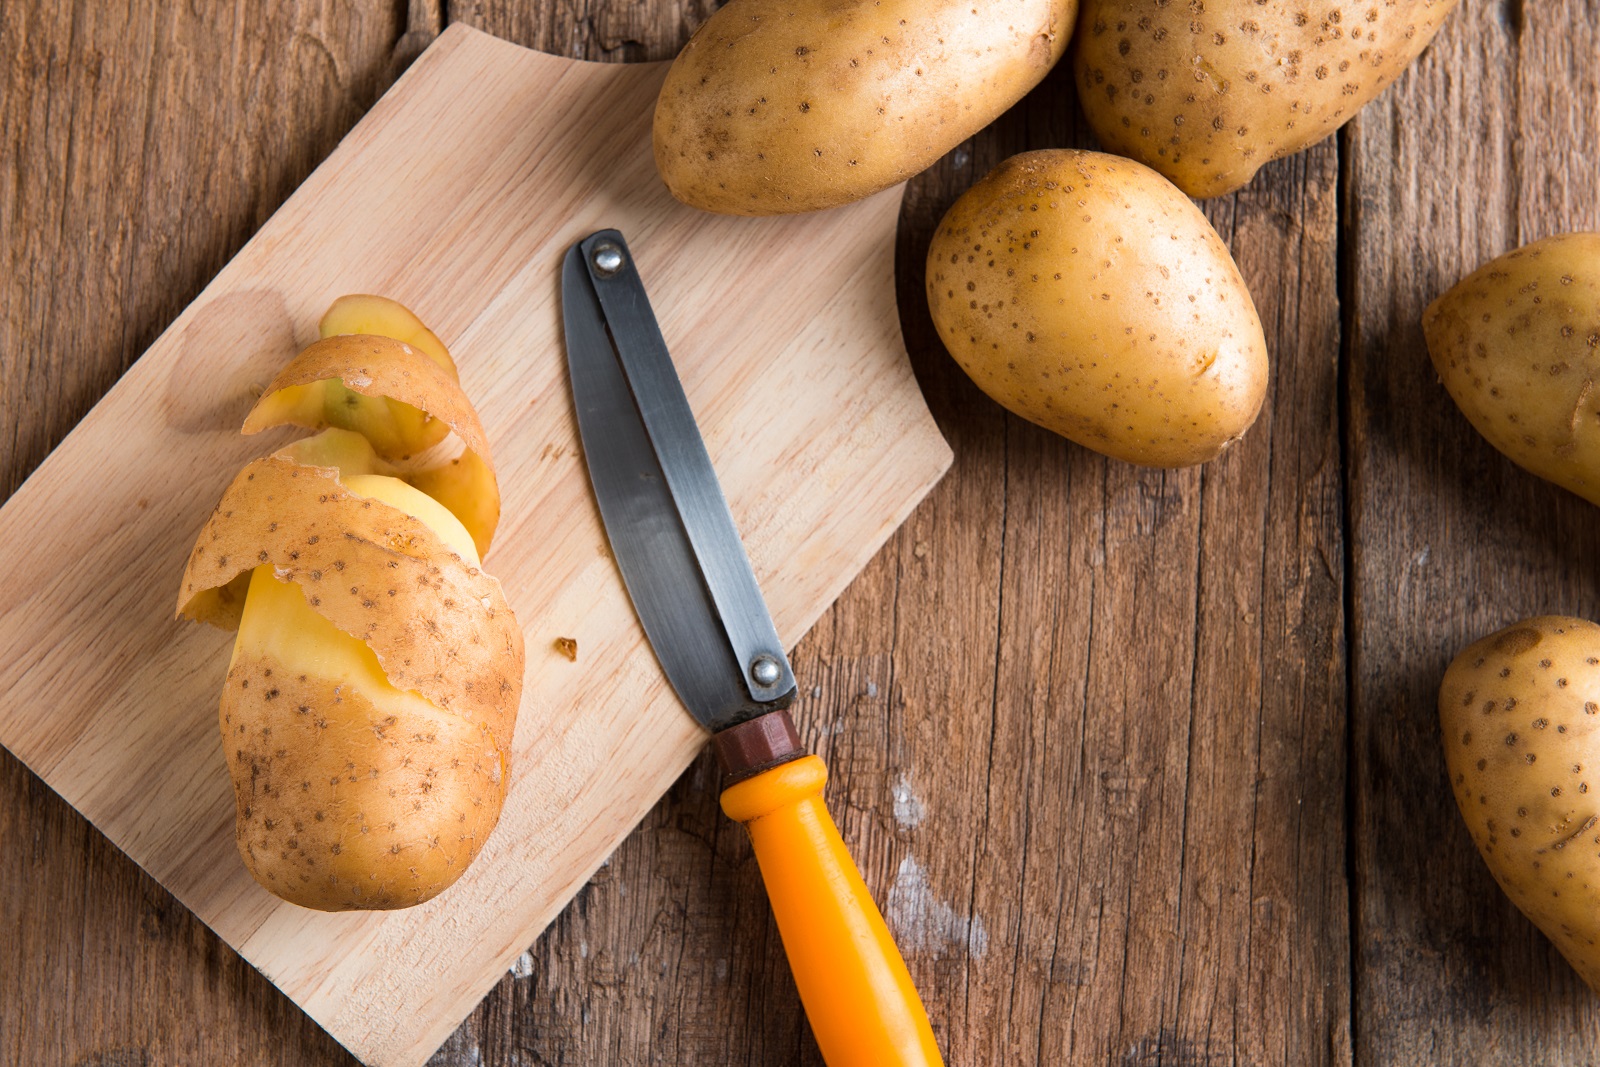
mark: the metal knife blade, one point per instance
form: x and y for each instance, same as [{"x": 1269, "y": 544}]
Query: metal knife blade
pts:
[
  {"x": 671, "y": 532},
  {"x": 685, "y": 567}
]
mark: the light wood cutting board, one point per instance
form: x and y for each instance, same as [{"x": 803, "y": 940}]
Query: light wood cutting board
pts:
[{"x": 458, "y": 195}]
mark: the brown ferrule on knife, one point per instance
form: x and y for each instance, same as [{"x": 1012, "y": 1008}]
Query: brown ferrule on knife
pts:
[{"x": 757, "y": 745}]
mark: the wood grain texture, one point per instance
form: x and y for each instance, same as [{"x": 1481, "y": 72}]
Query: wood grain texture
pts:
[
  {"x": 1158, "y": 848},
  {"x": 1488, "y": 143},
  {"x": 992, "y": 693},
  {"x": 526, "y": 154},
  {"x": 1040, "y": 775},
  {"x": 141, "y": 144}
]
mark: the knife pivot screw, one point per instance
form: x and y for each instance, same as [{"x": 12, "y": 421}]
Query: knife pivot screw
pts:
[
  {"x": 607, "y": 259},
  {"x": 765, "y": 670}
]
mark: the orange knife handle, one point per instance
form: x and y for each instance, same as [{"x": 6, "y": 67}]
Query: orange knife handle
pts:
[{"x": 853, "y": 981}]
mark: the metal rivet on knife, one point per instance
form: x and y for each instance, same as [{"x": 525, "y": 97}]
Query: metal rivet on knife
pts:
[
  {"x": 765, "y": 670},
  {"x": 607, "y": 259}
]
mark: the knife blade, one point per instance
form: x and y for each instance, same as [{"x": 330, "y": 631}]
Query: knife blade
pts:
[
  {"x": 672, "y": 533},
  {"x": 686, "y": 571}
]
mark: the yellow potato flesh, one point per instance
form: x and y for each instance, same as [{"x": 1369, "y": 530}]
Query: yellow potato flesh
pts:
[
  {"x": 418, "y": 505},
  {"x": 389, "y": 371},
  {"x": 346, "y": 450},
  {"x": 362, "y": 313},
  {"x": 394, "y": 428},
  {"x": 278, "y": 622}
]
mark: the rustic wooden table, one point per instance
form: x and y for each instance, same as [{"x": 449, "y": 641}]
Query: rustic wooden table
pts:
[{"x": 1144, "y": 763}]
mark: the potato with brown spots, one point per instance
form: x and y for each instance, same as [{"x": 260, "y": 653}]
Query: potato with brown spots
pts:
[
  {"x": 1517, "y": 344},
  {"x": 354, "y": 383},
  {"x": 368, "y": 710},
  {"x": 1085, "y": 293},
  {"x": 1520, "y": 714},
  {"x": 779, "y": 106},
  {"x": 1209, "y": 92}
]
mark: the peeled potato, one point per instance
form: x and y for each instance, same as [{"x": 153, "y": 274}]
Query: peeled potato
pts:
[
  {"x": 394, "y": 427},
  {"x": 1520, "y": 716},
  {"x": 378, "y": 316},
  {"x": 351, "y": 733},
  {"x": 410, "y": 405},
  {"x": 1517, "y": 344},
  {"x": 369, "y": 707},
  {"x": 1087, "y": 294}
]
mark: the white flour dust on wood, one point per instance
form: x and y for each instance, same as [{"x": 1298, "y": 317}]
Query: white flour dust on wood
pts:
[
  {"x": 907, "y": 807},
  {"x": 928, "y": 926}
]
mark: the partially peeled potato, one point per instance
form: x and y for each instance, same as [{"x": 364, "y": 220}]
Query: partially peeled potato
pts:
[{"x": 369, "y": 706}]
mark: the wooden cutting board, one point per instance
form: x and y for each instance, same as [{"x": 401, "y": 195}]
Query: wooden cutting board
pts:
[{"x": 458, "y": 195}]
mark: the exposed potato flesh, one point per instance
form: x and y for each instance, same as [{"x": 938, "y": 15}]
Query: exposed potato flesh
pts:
[
  {"x": 387, "y": 370},
  {"x": 382, "y": 317},
  {"x": 419, "y": 505},
  {"x": 466, "y": 485},
  {"x": 345, "y": 450},
  {"x": 397, "y": 430},
  {"x": 1520, "y": 718},
  {"x": 438, "y": 624},
  {"x": 395, "y": 427}
]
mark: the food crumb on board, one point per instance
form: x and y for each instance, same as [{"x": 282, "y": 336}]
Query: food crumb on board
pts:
[{"x": 568, "y": 647}]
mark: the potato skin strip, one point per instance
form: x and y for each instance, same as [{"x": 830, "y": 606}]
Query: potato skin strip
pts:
[
  {"x": 384, "y": 368},
  {"x": 439, "y": 627},
  {"x": 376, "y": 676}
]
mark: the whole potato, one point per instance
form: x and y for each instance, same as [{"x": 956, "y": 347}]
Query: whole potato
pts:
[
  {"x": 1520, "y": 713},
  {"x": 1517, "y": 344},
  {"x": 1087, "y": 294},
  {"x": 779, "y": 106},
  {"x": 1208, "y": 93}
]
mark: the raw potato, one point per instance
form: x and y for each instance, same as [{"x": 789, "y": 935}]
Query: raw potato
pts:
[
  {"x": 435, "y": 620},
  {"x": 1209, "y": 93},
  {"x": 403, "y": 404},
  {"x": 779, "y": 106},
  {"x": 393, "y": 426},
  {"x": 1517, "y": 344},
  {"x": 369, "y": 707},
  {"x": 447, "y": 771},
  {"x": 1085, "y": 293},
  {"x": 378, "y": 316},
  {"x": 1520, "y": 714}
]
